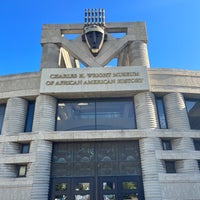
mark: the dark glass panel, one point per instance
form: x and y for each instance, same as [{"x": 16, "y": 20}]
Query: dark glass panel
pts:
[
  {"x": 166, "y": 144},
  {"x": 95, "y": 115},
  {"x": 107, "y": 168},
  {"x": 106, "y": 151},
  {"x": 129, "y": 185},
  {"x": 62, "y": 153},
  {"x": 193, "y": 109},
  {"x": 75, "y": 115},
  {"x": 170, "y": 166},
  {"x": 161, "y": 113},
  {"x": 25, "y": 148},
  {"x": 2, "y": 113},
  {"x": 82, "y": 196},
  {"x": 129, "y": 151},
  {"x": 198, "y": 163},
  {"x": 108, "y": 185},
  {"x": 62, "y": 170},
  {"x": 84, "y": 152},
  {"x": 109, "y": 197},
  {"x": 130, "y": 197},
  {"x": 197, "y": 144},
  {"x": 114, "y": 115},
  {"x": 82, "y": 186},
  {"x": 129, "y": 168},
  {"x": 61, "y": 187},
  {"x": 21, "y": 170},
  {"x": 29, "y": 116},
  {"x": 61, "y": 197},
  {"x": 83, "y": 169}
]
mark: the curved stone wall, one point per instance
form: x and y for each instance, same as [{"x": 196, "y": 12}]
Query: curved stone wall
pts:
[
  {"x": 176, "y": 111},
  {"x": 45, "y": 110},
  {"x": 145, "y": 110},
  {"x": 15, "y": 116}
]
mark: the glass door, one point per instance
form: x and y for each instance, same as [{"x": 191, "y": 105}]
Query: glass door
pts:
[
  {"x": 107, "y": 188},
  {"x": 83, "y": 188}
]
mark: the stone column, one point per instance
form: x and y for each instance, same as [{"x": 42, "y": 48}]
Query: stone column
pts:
[
  {"x": 44, "y": 120},
  {"x": 138, "y": 54},
  {"x": 45, "y": 111},
  {"x": 185, "y": 144},
  {"x": 15, "y": 116},
  {"x": 176, "y": 111},
  {"x": 151, "y": 167},
  {"x": 177, "y": 119},
  {"x": 123, "y": 58},
  {"x": 50, "y": 56},
  {"x": 146, "y": 117},
  {"x": 146, "y": 111},
  {"x": 40, "y": 169}
]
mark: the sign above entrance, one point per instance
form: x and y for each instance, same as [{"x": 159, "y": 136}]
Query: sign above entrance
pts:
[{"x": 92, "y": 80}]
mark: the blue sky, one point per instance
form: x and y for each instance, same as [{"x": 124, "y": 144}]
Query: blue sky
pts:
[{"x": 173, "y": 28}]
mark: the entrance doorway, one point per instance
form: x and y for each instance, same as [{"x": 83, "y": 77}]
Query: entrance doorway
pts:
[{"x": 96, "y": 171}]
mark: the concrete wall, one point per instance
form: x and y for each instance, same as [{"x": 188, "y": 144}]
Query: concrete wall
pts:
[{"x": 173, "y": 85}]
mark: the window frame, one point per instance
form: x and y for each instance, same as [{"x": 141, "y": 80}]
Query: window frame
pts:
[
  {"x": 168, "y": 146},
  {"x": 96, "y": 101},
  {"x": 19, "y": 168},
  {"x": 161, "y": 112},
  {"x": 23, "y": 148},
  {"x": 187, "y": 100},
  {"x": 173, "y": 166},
  {"x": 196, "y": 142},
  {"x": 2, "y": 115},
  {"x": 29, "y": 116}
]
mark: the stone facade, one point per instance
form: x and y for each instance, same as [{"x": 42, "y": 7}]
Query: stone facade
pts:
[{"x": 173, "y": 85}]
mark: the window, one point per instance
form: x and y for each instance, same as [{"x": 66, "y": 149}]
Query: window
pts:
[
  {"x": 21, "y": 170},
  {"x": 106, "y": 114},
  {"x": 170, "y": 166},
  {"x": 196, "y": 144},
  {"x": 198, "y": 163},
  {"x": 161, "y": 113},
  {"x": 2, "y": 113},
  {"x": 25, "y": 148},
  {"x": 193, "y": 110},
  {"x": 166, "y": 144},
  {"x": 29, "y": 116}
]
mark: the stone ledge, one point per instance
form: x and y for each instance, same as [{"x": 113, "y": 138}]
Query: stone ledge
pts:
[{"x": 177, "y": 155}]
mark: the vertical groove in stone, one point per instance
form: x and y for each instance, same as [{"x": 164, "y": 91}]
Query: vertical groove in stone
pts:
[
  {"x": 15, "y": 116},
  {"x": 138, "y": 54},
  {"x": 176, "y": 111},
  {"x": 146, "y": 111},
  {"x": 151, "y": 167},
  {"x": 40, "y": 169},
  {"x": 185, "y": 166},
  {"x": 45, "y": 111}
]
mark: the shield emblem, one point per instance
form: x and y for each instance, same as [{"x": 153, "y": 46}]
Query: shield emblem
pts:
[{"x": 94, "y": 36}]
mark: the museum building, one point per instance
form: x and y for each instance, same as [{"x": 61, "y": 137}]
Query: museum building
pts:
[{"x": 80, "y": 129}]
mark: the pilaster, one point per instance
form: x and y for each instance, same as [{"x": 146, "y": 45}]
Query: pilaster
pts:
[
  {"x": 138, "y": 54},
  {"x": 146, "y": 111},
  {"x": 40, "y": 169},
  {"x": 45, "y": 110},
  {"x": 151, "y": 166},
  {"x": 15, "y": 116},
  {"x": 176, "y": 111}
]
